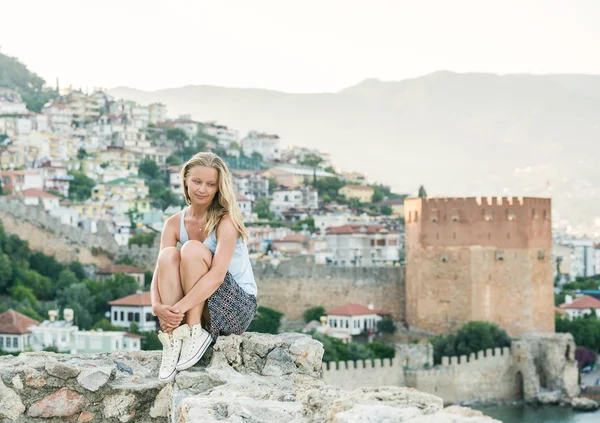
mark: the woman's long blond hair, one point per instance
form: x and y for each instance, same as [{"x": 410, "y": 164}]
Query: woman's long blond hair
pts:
[{"x": 224, "y": 200}]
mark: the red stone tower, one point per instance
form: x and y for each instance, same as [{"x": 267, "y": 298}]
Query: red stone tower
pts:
[{"x": 479, "y": 259}]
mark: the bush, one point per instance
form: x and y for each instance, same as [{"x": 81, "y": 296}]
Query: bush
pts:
[
  {"x": 314, "y": 313},
  {"x": 386, "y": 325},
  {"x": 470, "y": 338},
  {"x": 267, "y": 320}
]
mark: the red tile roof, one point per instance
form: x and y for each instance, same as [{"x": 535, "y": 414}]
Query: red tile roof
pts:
[
  {"x": 352, "y": 310},
  {"x": 241, "y": 197},
  {"x": 14, "y": 322},
  {"x": 118, "y": 268},
  {"x": 32, "y": 193},
  {"x": 584, "y": 302},
  {"x": 357, "y": 229},
  {"x": 140, "y": 299}
]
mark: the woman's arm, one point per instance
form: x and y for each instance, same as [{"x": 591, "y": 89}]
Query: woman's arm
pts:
[{"x": 227, "y": 235}]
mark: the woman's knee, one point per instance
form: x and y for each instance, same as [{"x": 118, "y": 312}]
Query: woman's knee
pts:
[
  {"x": 194, "y": 250},
  {"x": 169, "y": 256}
]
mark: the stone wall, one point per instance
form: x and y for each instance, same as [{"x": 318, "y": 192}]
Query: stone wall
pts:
[
  {"x": 351, "y": 375},
  {"x": 298, "y": 284},
  {"x": 66, "y": 243},
  {"x": 533, "y": 365},
  {"x": 252, "y": 377}
]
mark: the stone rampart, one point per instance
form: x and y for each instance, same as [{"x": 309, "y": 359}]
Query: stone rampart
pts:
[
  {"x": 350, "y": 375},
  {"x": 298, "y": 284}
]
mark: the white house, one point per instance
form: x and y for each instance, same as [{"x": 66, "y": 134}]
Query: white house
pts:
[
  {"x": 35, "y": 196},
  {"x": 363, "y": 245},
  {"x": 224, "y": 135},
  {"x": 251, "y": 184},
  {"x": 300, "y": 198},
  {"x": 175, "y": 182},
  {"x": 136, "y": 308},
  {"x": 580, "y": 306},
  {"x": 56, "y": 178},
  {"x": 52, "y": 332},
  {"x": 350, "y": 320},
  {"x": 244, "y": 203},
  {"x": 15, "y": 332},
  {"x": 158, "y": 113},
  {"x": 11, "y": 103},
  {"x": 186, "y": 123},
  {"x": 20, "y": 180},
  {"x": 60, "y": 117},
  {"x": 267, "y": 145},
  {"x": 329, "y": 220}
]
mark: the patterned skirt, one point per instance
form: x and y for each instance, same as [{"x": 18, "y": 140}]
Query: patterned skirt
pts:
[{"x": 231, "y": 309}]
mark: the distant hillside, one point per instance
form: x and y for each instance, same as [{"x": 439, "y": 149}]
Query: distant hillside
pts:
[
  {"x": 16, "y": 76},
  {"x": 458, "y": 134}
]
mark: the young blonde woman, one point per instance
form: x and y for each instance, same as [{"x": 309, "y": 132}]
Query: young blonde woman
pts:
[{"x": 208, "y": 284}]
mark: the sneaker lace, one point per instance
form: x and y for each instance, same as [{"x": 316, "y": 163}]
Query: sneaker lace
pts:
[{"x": 169, "y": 356}]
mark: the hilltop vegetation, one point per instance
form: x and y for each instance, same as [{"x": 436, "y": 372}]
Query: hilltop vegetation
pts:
[{"x": 32, "y": 88}]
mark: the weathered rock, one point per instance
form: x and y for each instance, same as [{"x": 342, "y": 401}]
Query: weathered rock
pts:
[
  {"x": 279, "y": 362},
  {"x": 119, "y": 406},
  {"x": 85, "y": 416},
  {"x": 255, "y": 348},
  {"x": 160, "y": 408},
  {"x": 33, "y": 378},
  {"x": 229, "y": 347},
  {"x": 94, "y": 378},
  {"x": 309, "y": 356},
  {"x": 17, "y": 383},
  {"x": 553, "y": 397},
  {"x": 62, "y": 403},
  {"x": 198, "y": 381},
  {"x": 584, "y": 404},
  {"x": 11, "y": 406},
  {"x": 62, "y": 371}
]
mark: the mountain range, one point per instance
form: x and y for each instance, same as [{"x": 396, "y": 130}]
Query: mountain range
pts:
[{"x": 457, "y": 134}]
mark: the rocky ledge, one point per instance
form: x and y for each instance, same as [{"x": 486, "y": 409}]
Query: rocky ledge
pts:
[{"x": 248, "y": 378}]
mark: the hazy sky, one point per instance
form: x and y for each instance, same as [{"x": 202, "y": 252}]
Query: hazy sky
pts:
[{"x": 296, "y": 46}]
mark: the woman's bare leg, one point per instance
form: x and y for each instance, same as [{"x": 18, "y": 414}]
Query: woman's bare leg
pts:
[
  {"x": 169, "y": 281},
  {"x": 196, "y": 260}
]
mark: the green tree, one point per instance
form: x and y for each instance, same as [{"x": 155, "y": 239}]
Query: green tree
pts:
[
  {"x": 15, "y": 75},
  {"x": 377, "y": 195},
  {"x": 6, "y": 273},
  {"x": 143, "y": 239},
  {"x": 313, "y": 161},
  {"x": 380, "y": 350},
  {"x": 80, "y": 188},
  {"x": 45, "y": 265},
  {"x": 81, "y": 153},
  {"x": 266, "y": 320},
  {"x": 313, "y": 313},
  {"x": 149, "y": 170},
  {"x": 178, "y": 136},
  {"x": 329, "y": 186},
  {"x": 386, "y": 325},
  {"x": 386, "y": 210},
  {"x": 78, "y": 297},
  {"x": 66, "y": 278},
  {"x": 17, "y": 251},
  {"x": 22, "y": 293},
  {"x": 470, "y": 338},
  {"x": 422, "y": 192},
  {"x": 173, "y": 161},
  {"x": 261, "y": 208},
  {"x": 585, "y": 330}
]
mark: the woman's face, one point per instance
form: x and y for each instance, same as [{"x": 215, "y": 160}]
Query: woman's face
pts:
[{"x": 203, "y": 184}]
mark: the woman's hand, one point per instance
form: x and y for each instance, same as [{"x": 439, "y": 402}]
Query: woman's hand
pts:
[{"x": 169, "y": 318}]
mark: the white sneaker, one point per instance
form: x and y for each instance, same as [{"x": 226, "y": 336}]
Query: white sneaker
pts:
[
  {"x": 170, "y": 355},
  {"x": 195, "y": 342}
]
